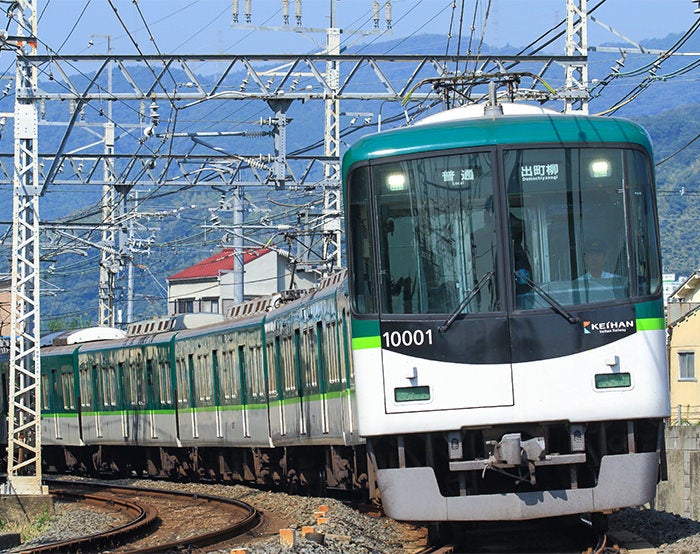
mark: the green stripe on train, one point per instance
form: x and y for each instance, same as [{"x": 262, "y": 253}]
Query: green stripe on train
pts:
[{"x": 651, "y": 324}]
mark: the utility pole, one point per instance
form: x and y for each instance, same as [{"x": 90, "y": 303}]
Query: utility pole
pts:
[
  {"x": 331, "y": 149},
  {"x": 24, "y": 448},
  {"x": 577, "y": 44},
  {"x": 109, "y": 262}
]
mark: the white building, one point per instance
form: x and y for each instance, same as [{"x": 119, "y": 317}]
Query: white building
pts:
[{"x": 208, "y": 286}]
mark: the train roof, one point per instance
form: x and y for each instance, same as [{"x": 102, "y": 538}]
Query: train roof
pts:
[
  {"x": 468, "y": 127},
  {"x": 81, "y": 336},
  {"x": 177, "y": 322}
]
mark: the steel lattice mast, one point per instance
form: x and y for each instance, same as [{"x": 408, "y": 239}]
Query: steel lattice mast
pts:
[
  {"x": 577, "y": 45},
  {"x": 24, "y": 448}
]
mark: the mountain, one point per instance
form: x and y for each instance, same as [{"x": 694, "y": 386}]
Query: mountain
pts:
[{"x": 174, "y": 236}]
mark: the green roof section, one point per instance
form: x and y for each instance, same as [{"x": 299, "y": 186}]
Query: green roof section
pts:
[{"x": 491, "y": 131}]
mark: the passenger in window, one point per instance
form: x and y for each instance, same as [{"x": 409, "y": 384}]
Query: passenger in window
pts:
[{"x": 594, "y": 259}]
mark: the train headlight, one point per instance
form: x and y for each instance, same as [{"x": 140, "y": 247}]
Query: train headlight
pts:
[
  {"x": 396, "y": 182},
  {"x": 599, "y": 169}
]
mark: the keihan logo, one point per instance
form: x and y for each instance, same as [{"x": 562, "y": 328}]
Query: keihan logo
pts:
[{"x": 608, "y": 326}]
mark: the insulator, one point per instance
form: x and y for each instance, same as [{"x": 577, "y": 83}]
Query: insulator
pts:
[
  {"x": 375, "y": 10},
  {"x": 298, "y": 11},
  {"x": 285, "y": 11},
  {"x": 235, "y": 11},
  {"x": 247, "y": 9},
  {"x": 388, "y": 14},
  {"x": 153, "y": 113}
]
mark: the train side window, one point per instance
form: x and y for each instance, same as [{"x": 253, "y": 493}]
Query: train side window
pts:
[
  {"x": 165, "y": 387},
  {"x": 137, "y": 383},
  {"x": 362, "y": 260},
  {"x": 225, "y": 375},
  {"x": 288, "y": 364},
  {"x": 85, "y": 389},
  {"x": 308, "y": 351},
  {"x": 272, "y": 368},
  {"x": 203, "y": 371},
  {"x": 133, "y": 385},
  {"x": 109, "y": 386},
  {"x": 256, "y": 370},
  {"x": 183, "y": 384},
  {"x": 45, "y": 389},
  {"x": 106, "y": 392},
  {"x": 332, "y": 354},
  {"x": 235, "y": 381},
  {"x": 68, "y": 391}
]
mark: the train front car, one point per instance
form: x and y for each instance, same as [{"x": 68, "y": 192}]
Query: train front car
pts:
[{"x": 508, "y": 332}]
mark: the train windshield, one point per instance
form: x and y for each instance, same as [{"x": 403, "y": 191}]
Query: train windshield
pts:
[
  {"x": 581, "y": 225},
  {"x": 576, "y": 226}
]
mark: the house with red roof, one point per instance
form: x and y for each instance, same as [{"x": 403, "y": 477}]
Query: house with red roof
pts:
[{"x": 208, "y": 286}]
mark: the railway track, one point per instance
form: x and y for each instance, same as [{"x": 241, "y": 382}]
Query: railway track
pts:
[{"x": 151, "y": 520}]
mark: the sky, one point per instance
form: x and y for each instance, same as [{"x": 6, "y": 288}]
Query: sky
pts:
[{"x": 206, "y": 26}]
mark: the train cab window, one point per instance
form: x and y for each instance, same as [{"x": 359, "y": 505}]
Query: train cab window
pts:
[
  {"x": 437, "y": 234},
  {"x": 363, "y": 273},
  {"x": 645, "y": 247},
  {"x": 563, "y": 213}
]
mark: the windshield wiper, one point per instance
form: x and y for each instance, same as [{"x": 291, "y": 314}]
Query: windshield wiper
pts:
[
  {"x": 571, "y": 318},
  {"x": 467, "y": 299}
]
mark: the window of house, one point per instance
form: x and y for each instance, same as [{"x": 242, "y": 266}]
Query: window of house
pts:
[
  {"x": 210, "y": 305},
  {"x": 185, "y": 306},
  {"x": 686, "y": 366}
]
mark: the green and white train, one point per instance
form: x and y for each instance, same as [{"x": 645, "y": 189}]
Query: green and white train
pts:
[{"x": 496, "y": 351}]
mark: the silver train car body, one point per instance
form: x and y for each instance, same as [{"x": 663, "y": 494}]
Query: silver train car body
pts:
[
  {"x": 267, "y": 397},
  {"x": 500, "y": 375}
]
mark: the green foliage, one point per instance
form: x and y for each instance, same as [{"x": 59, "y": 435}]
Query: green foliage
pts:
[{"x": 678, "y": 185}]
